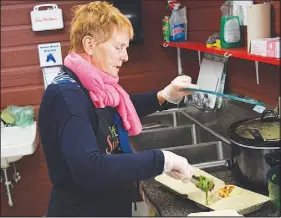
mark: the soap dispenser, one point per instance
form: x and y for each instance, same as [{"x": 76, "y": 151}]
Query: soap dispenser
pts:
[{"x": 230, "y": 34}]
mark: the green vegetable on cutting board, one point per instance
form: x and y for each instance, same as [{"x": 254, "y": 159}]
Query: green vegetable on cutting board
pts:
[{"x": 205, "y": 185}]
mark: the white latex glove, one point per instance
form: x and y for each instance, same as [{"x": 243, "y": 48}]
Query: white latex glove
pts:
[
  {"x": 173, "y": 93},
  {"x": 177, "y": 166}
]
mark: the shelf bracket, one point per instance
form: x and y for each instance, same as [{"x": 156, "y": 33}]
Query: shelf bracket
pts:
[
  {"x": 199, "y": 58},
  {"x": 257, "y": 71},
  {"x": 179, "y": 61}
]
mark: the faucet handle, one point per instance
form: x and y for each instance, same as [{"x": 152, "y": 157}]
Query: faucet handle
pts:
[{"x": 205, "y": 101}]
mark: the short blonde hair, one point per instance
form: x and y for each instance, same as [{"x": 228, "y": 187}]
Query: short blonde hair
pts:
[{"x": 97, "y": 19}]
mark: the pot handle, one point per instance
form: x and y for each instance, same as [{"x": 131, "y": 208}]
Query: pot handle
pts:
[
  {"x": 272, "y": 159},
  {"x": 230, "y": 162},
  {"x": 268, "y": 111}
]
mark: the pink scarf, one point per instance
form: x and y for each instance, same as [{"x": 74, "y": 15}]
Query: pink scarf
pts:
[{"x": 104, "y": 91}]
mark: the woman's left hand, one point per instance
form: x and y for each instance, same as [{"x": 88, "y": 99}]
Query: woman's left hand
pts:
[{"x": 174, "y": 92}]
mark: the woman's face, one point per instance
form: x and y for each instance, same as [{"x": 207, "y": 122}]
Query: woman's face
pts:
[{"x": 110, "y": 55}]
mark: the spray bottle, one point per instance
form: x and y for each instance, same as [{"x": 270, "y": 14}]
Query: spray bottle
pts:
[{"x": 178, "y": 22}]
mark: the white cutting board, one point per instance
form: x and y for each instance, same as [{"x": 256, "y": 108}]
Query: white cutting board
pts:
[
  {"x": 209, "y": 78},
  {"x": 240, "y": 200},
  {"x": 227, "y": 212}
]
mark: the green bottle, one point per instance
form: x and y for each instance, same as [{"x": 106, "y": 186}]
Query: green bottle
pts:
[{"x": 230, "y": 34}]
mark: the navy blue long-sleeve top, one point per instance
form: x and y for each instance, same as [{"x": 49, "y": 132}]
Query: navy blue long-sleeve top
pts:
[{"x": 74, "y": 160}]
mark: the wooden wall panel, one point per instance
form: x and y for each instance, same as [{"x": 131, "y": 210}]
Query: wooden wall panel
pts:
[
  {"x": 9, "y": 2},
  {"x": 242, "y": 79},
  {"x": 28, "y": 75},
  {"x": 23, "y": 35},
  {"x": 139, "y": 83},
  {"x": 275, "y": 18},
  {"x": 201, "y": 4},
  {"x": 20, "y": 95},
  {"x": 200, "y": 24}
]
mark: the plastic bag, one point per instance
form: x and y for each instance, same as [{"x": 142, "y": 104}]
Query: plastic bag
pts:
[{"x": 23, "y": 116}]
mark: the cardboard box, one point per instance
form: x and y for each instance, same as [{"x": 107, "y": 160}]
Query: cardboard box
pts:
[{"x": 268, "y": 47}]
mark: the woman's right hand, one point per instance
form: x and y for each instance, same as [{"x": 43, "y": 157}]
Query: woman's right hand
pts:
[{"x": 177, "y": 166}]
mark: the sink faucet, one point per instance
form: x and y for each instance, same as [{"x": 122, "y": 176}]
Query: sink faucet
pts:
[
  {"x": 205, "y": 102},
  {"x": 202, "y": 102}
]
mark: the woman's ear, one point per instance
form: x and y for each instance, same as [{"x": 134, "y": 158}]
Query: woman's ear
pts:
[{"x": 88, "y": 46}]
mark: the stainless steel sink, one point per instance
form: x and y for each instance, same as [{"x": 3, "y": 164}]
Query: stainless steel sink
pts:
[
  {"x": 173, "y": 130},
  {"x": 171, "y": 137},
  {"x": 170, "y": 118},
  {"x": 209, "y": 152}
]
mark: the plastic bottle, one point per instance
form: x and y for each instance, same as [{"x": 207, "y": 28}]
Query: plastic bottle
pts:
[
  {"x": 230, "y": 34},
  {"x": 166, "y": 29},
  {"x": 177, "y": 24}
]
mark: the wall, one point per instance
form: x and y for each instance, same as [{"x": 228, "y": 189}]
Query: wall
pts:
[
  {"x": 150, "y": 67},
  {"x": 203, "y": 21}
]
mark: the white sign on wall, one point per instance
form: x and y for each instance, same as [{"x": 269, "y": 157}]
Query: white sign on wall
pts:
[{"x": 50, "y": 54}]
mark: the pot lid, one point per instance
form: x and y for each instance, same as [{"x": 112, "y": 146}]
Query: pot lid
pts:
[
  {"x": 261, "y": 132},
  {"x": 260, "y": 129}
]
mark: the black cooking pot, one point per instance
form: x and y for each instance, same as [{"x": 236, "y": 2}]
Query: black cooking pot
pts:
[
  {"x": 273, "y": 177},
  {"x": 251, "y": 141}
]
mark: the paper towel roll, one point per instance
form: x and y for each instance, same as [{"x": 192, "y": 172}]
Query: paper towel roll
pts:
[{"x": 259, "y": 22}]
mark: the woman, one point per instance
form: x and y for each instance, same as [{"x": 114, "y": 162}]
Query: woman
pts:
[{"x": 85, "y": 119}]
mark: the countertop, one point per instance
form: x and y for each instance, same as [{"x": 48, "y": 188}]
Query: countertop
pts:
[{"x": 168, "y": 203}]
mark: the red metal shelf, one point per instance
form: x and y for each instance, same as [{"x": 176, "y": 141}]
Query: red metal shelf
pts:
[{"x": 235, "y": 52}]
